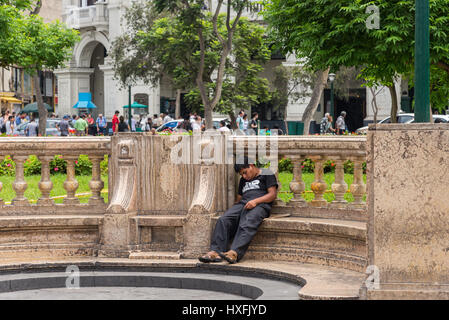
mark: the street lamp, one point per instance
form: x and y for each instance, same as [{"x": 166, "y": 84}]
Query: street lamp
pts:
[
  {"x": 332, "y": 79},
  {"x": 129, "y": 109},
  {"x": 422, "y": 61}
]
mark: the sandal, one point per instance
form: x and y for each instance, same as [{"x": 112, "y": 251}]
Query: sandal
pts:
[
  {"x": 207, "y": 258},
  {"x": 227, "y": 257}
]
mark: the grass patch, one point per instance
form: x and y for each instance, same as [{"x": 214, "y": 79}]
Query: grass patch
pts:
[
  {"x": 33, "y": 192},
  {"x": 285, "y": 178}
]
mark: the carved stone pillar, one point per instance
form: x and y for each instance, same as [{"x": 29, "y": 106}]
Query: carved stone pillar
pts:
[
  {"x": 358, "y": 187},
  {"x": 96, "y": 184},
  {"x": 1, "y": 187},
  {"x": 71, "y": 184},
  {"x": 20, "y": 185},
  {"x": 319, "y": 186},
  {"x": 339, "y": 187},
  {"x": 45, "y": 185},
  {"x": 297, "y": 186}
]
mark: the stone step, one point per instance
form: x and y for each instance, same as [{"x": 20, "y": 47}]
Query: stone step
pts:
[
  {"x": 316, "y": 282},
  {"x": 155, "y": 255}
]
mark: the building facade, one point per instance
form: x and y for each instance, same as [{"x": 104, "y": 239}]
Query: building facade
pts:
[{"x": 90, "y": 69}]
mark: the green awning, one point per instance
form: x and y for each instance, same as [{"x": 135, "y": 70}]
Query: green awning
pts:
[
  {"x": 32, "y": 107},
  {"x": 136, "y": 105}
]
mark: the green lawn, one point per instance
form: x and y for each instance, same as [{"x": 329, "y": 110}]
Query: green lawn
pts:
[{"x": 33, "y": 193}]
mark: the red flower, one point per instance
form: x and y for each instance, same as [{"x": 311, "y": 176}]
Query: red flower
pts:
[{"x": 56, "y": 169}]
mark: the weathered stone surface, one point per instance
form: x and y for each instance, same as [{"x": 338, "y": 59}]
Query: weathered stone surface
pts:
[{"x": 408, "y": 209}]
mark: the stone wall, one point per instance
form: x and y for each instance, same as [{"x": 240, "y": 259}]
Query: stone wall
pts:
[{"x": 408, "y": 209}]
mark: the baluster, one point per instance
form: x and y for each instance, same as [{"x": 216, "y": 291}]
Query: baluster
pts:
[
  {"x": 278, "y": 201},
  {"x": 71, "y": 184},
  {"x": 19, "y": 185},
  {"x": 45, "y": 185},
  {"x": 96, "y": 184},
  {"x": 319, "y": 186},
  {"x": 339, "y": 187},
  {"x": 297, "y": 186},
  {"x": 358, "y": 187}
]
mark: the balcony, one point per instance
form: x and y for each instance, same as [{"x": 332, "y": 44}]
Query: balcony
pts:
[{"x": 87, "y": 17}]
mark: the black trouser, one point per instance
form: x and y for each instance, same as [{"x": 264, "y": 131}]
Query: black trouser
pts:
[{"x": 238, "y": 223}]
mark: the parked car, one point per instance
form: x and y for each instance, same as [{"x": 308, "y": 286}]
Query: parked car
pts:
[
  {"x": 172, "y": 125},
  {"x": 437, "y": 118},
  {"x": 406, "y": 118},
  {"x": 50, "y": 130}
]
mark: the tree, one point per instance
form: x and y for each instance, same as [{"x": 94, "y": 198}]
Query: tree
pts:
[
  {"x": 42, "y": 46},
  {"x": 10, "y": 13},
  {"x": 182, "y": 41},
  {"x": 333, "y": 34}
]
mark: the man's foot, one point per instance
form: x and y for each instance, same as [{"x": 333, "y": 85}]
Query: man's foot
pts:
[
  {"x": 211, "y": 256},
  {"x": 230, "y": 256}
]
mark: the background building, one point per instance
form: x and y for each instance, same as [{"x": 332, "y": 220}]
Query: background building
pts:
[{"x": 90, "y": 70}]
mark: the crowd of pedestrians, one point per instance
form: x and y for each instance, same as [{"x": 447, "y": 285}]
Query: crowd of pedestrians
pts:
[{"x": 340, "y": 124}]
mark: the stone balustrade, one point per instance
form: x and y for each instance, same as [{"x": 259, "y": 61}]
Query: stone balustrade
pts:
[
  {"x": 19, "y": 149},
  {"x": 319, "y": 149},
  {"x": 85, "y": 17}
]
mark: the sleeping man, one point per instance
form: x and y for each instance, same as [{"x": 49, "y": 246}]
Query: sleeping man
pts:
[{"x": 257, "y": 191}]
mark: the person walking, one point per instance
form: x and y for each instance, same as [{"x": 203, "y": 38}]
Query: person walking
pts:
[
  {"x": 10, "y": 126},
  {"x": 340, "y": 124},
  {"x": 115, "y": 121},
  {"x": 326, "y": 125},
  {"x": 32, "y": 128},
  {"x": 196, "y": 126},
  {"x": 253, "y": 124},
  {"x": 157, "y": 122},
  {"x": 166, "y": 118},
  {"x": 223, "y": 127},
  {"x": 122, "y": 125},
  {"x": 239, "y": 120},
  {"x": 102, "y": 125},
  {"x": 91, "y": 126},
  {"x": 148, "y": 124},
  {"x": 245, "y": 123},
  {"x": 63, "y": 126},
  {"x": 81, "y": 126},
  {"x": 133, "y": 124}
]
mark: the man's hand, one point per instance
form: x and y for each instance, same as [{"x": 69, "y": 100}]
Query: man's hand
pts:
[{"x": 251, "y": 205}]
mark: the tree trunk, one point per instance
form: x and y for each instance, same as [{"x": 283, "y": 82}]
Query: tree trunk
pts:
[
  {"x": 394, "y": 103},
  {"x": 374, "y": 103},
  {"x": 178, "y": 104},
  {"x": 319, "y": 85},
  {"x": 38, "y": 7},
  {"x": 233, "y": 120},
  {"x": 208, "y": 117},
  {"x": 40, "y": 105}
]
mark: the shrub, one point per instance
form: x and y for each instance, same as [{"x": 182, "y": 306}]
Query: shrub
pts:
[
  {"x": 83, "y": 166},
  {"x": 7, "y": 167},
  {"x": 58, "y": 165},
  {"x": 104, "y": 166},
  {"x": 32, "y": 166},
  {"x": 285, "y": 165},
  {"x": 308, "y": 166}
]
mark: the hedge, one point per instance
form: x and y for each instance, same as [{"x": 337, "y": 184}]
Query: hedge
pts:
[{"x": 32, "y": 166}]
